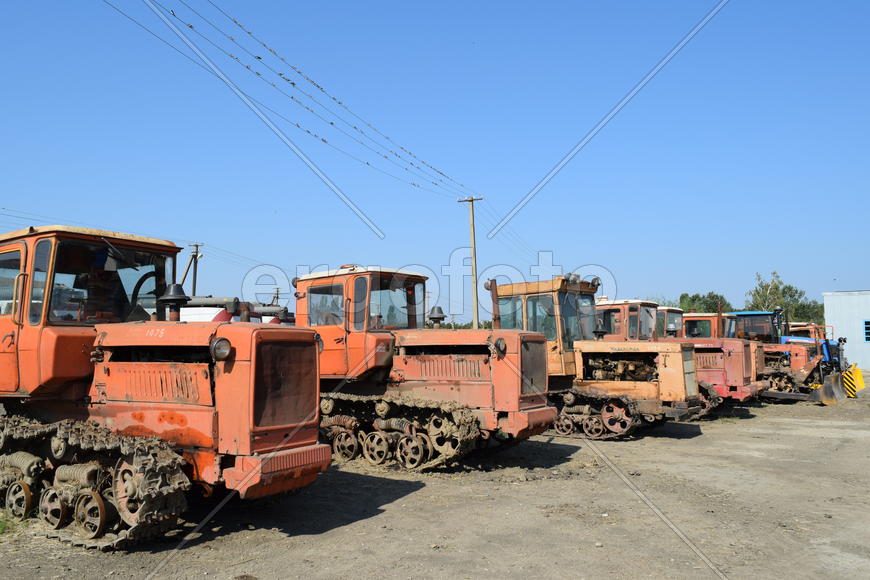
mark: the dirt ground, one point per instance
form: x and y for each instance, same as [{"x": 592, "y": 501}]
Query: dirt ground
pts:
[{"x": 765, "y": 491}]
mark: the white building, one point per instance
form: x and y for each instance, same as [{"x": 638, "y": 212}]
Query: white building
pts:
[{"x": 849, "y": 313}]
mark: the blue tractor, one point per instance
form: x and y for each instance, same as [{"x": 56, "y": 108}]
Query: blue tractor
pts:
[{"x": 806, "y": 365}]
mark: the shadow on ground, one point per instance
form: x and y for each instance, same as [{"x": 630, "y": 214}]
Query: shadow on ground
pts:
[
  {"x": 337, "y": 499},
  {"x": 671, "y": 430},
  {"x": 529, "y": 454}
]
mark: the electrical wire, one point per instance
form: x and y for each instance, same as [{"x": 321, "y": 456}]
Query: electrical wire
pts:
[
  {"x": 414, "y": 169},
  {"x": 340, "y": 103},
  {"x": 281, "y": 75},
  {"x": 294, "y": 124},
  {"x": 512, "y": 241}
]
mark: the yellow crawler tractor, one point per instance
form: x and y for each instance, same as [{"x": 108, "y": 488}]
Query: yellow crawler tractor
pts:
[{"x": 602, "y": 389}]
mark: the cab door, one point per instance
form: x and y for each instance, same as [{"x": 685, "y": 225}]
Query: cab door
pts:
[
  {"x": 11, "y": 261},
  {"x": 326, "y": 307},
  {"x": 358, "y": 320}
]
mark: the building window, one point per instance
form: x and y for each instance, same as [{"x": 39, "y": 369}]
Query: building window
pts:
[{"x": 867, "y": 331}]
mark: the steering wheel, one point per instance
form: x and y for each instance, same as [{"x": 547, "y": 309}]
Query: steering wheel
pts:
[{"x": 134, "y": 298}]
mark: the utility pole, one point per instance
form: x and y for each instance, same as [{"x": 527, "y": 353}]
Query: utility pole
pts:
[
  {"x": 196, "y": 257},
  {"x": 475, "y": 323}
]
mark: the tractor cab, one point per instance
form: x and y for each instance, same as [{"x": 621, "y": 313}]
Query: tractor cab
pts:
[
  {"x": 669, "y": 322},
  {"x": 763, "y": 326},
  {"x": 709, "y": 325},
  {"x": 562, "y": 309},
  {"x": 621, "y": 320},
  {"x": 56, "y": 284},
  {"x": 355, "y": 309}
]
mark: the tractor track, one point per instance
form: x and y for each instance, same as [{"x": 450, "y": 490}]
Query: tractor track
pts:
[{"x": 137, "y": 492}]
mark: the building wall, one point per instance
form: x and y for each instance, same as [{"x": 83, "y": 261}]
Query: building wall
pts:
[{"x": 847, "y": 312}]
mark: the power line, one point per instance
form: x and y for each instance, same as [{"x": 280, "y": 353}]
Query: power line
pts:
[
  {"x": 295, "y": 124},
  {"x": 340, "y": 103},
  {"x": 512, "y": 241},
  {"x": 414, "y": 169}
]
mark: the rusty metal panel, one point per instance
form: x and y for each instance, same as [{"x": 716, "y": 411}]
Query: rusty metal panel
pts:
[
  {"x": 709, "y": 360},
  {"x": 449, "y": 367},
  {"x": 188, "y": 383}
]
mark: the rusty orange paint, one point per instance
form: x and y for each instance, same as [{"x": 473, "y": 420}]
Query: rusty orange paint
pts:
[
  {"x": 85, "y": 371},
  {"x": 172, "y": 418}
]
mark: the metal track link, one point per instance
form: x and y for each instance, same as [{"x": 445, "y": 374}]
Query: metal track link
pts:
[
  {"x": 157, "y": 468},
  {"x": 593, "y": 404},
  {"x": 463, "y": 426}
]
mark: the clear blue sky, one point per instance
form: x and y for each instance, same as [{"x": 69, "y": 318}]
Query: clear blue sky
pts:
[{"x": 748, "y": 152}]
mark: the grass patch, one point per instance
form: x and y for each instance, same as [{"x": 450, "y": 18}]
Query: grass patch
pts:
[{"x": 5, "y": 524}]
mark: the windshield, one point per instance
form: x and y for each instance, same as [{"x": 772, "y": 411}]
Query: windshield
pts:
[
  {"x": 756, "y": 327},
  {"x": 668, "y": 323},
  {"x": 102, "y": 282},
  {"x": 698, "y": 328},
  {"x": 396, "y": 302},
  {"x": 578, "y": 316}
]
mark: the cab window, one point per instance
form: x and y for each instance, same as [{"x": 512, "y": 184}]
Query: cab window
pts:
[
  {"x": 698, "y": 329},
  {"x": 632, "y": 322},
  {"x": 395, "y": 302},
  {"x": 730, "y": 327},
  {"x": 325, "y": 305},
  {"x": 41, "y": 256},
  {"x": 360, "y": 292},
  {"x": 511, "y": 312},
  {"x": 608, "y": 320},
  {"x": 541, "y": 315},
  {"x": 647, "y": 323},
  {"x": 103, "y": 282},
  {"x": 10, "y": 267}
]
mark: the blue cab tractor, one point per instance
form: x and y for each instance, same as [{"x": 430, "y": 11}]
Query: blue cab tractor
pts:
[{"x": 801, "y": 361}]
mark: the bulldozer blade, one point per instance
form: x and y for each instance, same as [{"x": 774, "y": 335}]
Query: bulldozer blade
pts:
[
  {"x": 853, "y": 381},
  {"x": 831, "y": 392}
]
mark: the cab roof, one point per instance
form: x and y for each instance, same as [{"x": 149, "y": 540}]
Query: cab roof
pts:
[
  {"x": 557, "y": 284},
  {"x": 749, "y": 312},
  {"x": 33, "y": 230},
  {"x": 354, "y": 269},
  {"x": 606, "y": 302},
  {"x": 708, "y": 314}
]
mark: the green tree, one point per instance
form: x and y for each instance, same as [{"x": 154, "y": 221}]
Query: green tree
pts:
[
  {"x": 768, "y": 294},
  {"x": 709, "y": 302},
  {"x": 662, "y": 300}
]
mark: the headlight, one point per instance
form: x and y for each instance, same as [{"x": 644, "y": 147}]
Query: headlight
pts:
[
  {"x": 220, "y": 348},
  {"x": 500, "y": 347}
]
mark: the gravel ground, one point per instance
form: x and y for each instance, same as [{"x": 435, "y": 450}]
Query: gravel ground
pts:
[{"x": 763, "y": 491}]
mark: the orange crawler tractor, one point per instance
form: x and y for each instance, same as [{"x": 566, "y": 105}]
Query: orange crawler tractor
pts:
[
  {"x": 601, "y": 388},
  {"x": 113, "y": 411},
  {"x": 622, "y": 320},
  {"x": 391, "y": 389}
]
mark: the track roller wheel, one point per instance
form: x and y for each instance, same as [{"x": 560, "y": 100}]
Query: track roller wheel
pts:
[
  {"x": 593, "y": 427},
  {"x": 616, "y": 418},
  {"x": 59, "y": 448},
  {"x": 376, "y": 448},
  {"x": 19, "y": 500},
  {"x": 52, "y": 509},
  {"x": 346, "y": 445},
  {"x": 414, "y": 451},
  {"x": 563, "y": 425},
  {"x": 129, "y": 486},
  {"x": 90, "y": 515}
]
